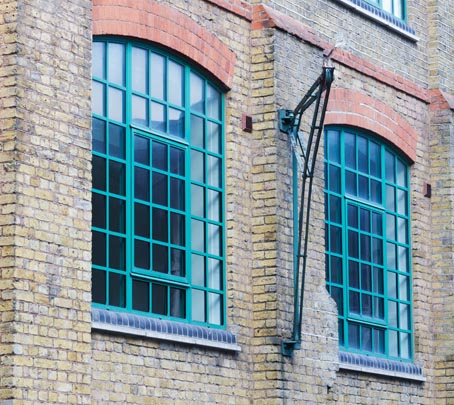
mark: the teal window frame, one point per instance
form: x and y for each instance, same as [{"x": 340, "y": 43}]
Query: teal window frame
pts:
[
  {"x": 158, "y": 221},
  {"x": 368, "y": 246}
]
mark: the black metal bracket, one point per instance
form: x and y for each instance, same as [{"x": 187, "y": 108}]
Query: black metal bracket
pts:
[{"x": 306, "y": 154}]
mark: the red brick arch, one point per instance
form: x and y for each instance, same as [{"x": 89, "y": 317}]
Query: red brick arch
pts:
[
  {"x": 348, "y": 107},
  {"x": 165, "y": 25}
]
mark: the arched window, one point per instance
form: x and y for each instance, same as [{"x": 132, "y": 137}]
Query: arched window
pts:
[
  {"x": 368, "y": 269},
  {"x": 158, "y": 185}
]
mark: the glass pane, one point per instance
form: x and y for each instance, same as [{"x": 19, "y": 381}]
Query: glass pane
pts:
[
  {"x": 392, "y": 313},
  {"x": 157, "y": 76},
  {"x": 98, "y": 282},
  {"x": 366, "y": 307},
  {"x": 99, "y": 60},
  {"x": 393, "y": 343},
  {"x": 99, "y": 210},
  {"x": 116, "y": 64},
  {"x": 141, "y": 184},
  {"x": 214, "y": 205},
  {"x": 379, "y": 341},
  {"x": 214, "y": 171},
  {"x": 337, "y": 295},
  {"x": 160, "y": 258},
  {"x": 214, "y": 274},
  {"x": 333, "y": 146},
  {"x": 160, "y": 225},
  {"x": 116, "y": 104},
  {"x": 198, "y": 235},
  {"x": 215, "y": 308},
  {"x": 97, "y": 98},
  {"x": 365, "y": 248},
  {"x": 197, "y": 166},
  {"x": 403, "y": 258},
  {"x": 159, "y": 188},
  {"x": 117, "y": 180},
  {"x": 158, "y": 117},
  {"x": 379, "y": 308},
  {"x": 139, "y": 111},
  {"x": 366, "y": 339},
  {"x": 142, "y": 220},
  {"x": 390, "y": 198},
  {"x": 177, "y": 195},
  {"x": 353, "y": 216},
  {"x": 386, "y": 4},
  {"x": 401, "y": 174},
  {"x": 375, "y": 191},
  {"x": 363, "y": 157},
  {"x": 390, "y": 167},
  {"x": 335, "y": 239},
  {"x": 198, "y": 306},
  {"x": 378, "y": 280},
  {"x": 353, "y": 336},
  {"x": 374, "y": 159},
  {"x": 117, "y": 292},
  {"x": 197, "y": 200},
  {"x": 350, "y": 150},
  {"x": 214, "y": 137},
  {"x": 402, "y": 202},
  {"x": 177, "y": 229},
  {"x": 159, "y": 299},
  {"x": 99, "y": 135},
  {"x": 392, "y": 285},
  {"x": 391, "y": 255},
  {"x": 405, "y": 345},
  {"x": 334, "y": 178},
  {"x": 197, "y": 131},
  {"x": 176, "y": 83},
  {"x": 354, "y": 302},
  {"x": 350, "y": 182},
  {"x": 214, "y": 240},
  {"x": 176, "y": 123},
  {"x": 353, "y": 274},
  {"x": 117, "y": 252},
  {"x": 398, "y": 9},
  {"x": 177, "y": 303},
  {"x": 198, "y": 270},
  {"x": 403, "y": 287},
  {"x": 141, "y": 254},
  {"x": 139, "y": 69},
  {"x": 363, "y": 187},
  {"x": 364, "y": 219},
  {"x": 140, "y": 296},
  {"x": 160, "y": 156},
  {"x": 404, "y": 316},
  {"x": 391, "y": 227},
  {"x": 197, "y": 93},
  {"x": 117, "y": 141},
  {"x": 402, "y": 230},
  {"x": 377, "y": 251},
  {"x": 99, "y": 248},
  {"x": 335, "y": 209},
  {"x": 376, "y": 223},
  {"x": 353, "y": 244},
  {"x": 177, "y": 158},
  {"x": 336, "y": 270},
  {"x": 213, "y": 103},
  {"x": 117, "y": 212},
  {"x": 178, "y": 262},
  {"x": 141, "y": 150},
  {"x": 366, "y": 277}
]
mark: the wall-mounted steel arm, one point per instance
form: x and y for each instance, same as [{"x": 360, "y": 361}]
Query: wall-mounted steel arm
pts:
[{"x": 305, "y": 154}]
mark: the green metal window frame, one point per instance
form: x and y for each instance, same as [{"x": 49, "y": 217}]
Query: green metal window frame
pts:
[
  {"x": 158, "y": 220},
  {"x": 368, "y": 247}
]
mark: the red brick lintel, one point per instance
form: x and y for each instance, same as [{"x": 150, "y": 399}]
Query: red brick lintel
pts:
[{"x": 266, "y": 17}]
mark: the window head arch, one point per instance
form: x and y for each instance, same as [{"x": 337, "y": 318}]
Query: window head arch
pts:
[
  {"x": 368, "y": 243},
  {"x": 158, "y": 185}
]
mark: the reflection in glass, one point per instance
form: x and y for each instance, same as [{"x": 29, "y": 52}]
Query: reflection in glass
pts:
[
  {"x": 139, "y": 68},
  {"x": 176, "y": 122},
  {"x": 158, "y": 117},
  {"x": 116, "y": 64},
  {"x": 139, "y": 110},
  {"x": 117, "y": 141},
  {"x": 175, "y": 83},
  {"x": 197, "y": 131},
  {"x": 158, "y": 76},
  {"x": 99, "y": 60},
  {"x": 213, "y": 103},
  {"x": 116, "y": 104}
]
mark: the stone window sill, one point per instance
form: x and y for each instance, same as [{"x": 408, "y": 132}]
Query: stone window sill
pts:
[
  {"x": 136, "y": 325},
  {"x": 379, "y": 366}
]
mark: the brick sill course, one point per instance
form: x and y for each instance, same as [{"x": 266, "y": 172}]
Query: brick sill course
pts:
[
  {"x": 379, "y": 366},
  {"x": 136, "y": 325}
]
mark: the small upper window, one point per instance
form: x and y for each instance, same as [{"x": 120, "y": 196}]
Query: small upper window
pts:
[
  {"x": 158, "y": 186},
  {"x": 368, "y": 266}
]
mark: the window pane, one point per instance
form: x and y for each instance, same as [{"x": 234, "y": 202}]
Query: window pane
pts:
[
  {"x": 353, "y": 274},
  {"x": 334, "y": 179},
  {"x": 197, "y": 200},
  {"x": 116, "y": 64},
  {"x": 198, "y": 270},
  {"x": 117, "y": 292},
  {"x": 214, "y": 171},
  {"x": 379, "y": 341},
  {"x": 214, "y": 274},
  {"x": 198, "y": 235},
  {"x": 139, "y": 111},
  {"x": 213, "y": 103},
  {"x": 98, "y": 279},
  {"x": 404, "y": 316},
  {"x": 377, "y": 251},
  {"x": 159, "y": 189},
  {"x": 99, "y": 210},
  {"x": 350, "y": 150},
  {"x": 197, "y": 166},
  {"x": 363, "y": 187},
  {"x": 141, "y": 184},
  {"x": 377, "y": 223},
  {"x": 214, "y": 240},
  {"x": 197, "y": 131},
  {"x": 214, "y": 205},
  {"x": 160, "y": 258},
  {"x": 99, "y": 60},
  {"x": 391, "y": 227},
  {"x": 98, "y": 98},
  {"x": 353, "y": 216},
  {"x": 175, "y": 83},
  {"x": 378, "y": 280},
  {"x": 405, "y": 345},
  {"x": 160, "y": 156},
  {"x": 366, "y": 277},
  {"x": 365, "y": 248},
  {"x": 177, "y": 195},
  {"x": 116, "y": 104},
  {"x": 117, "y": 212},
  {"x": 141, "y": 150},
  {"x": 142, "y": 254},
  {"x": 157, "y": 76},
  {"x": 177, "y": 229},
  {"x": 402, "y": 230},
  {"x": 353, "y": 244},
  {"x": 176, "y": 122},
  {"x": 366, "y": 338},
  {"x": 160, "y": 225},
  {"x": 197, "y": 93},
  {"x": 178, "y": 262},
  {"x": 214, "y": 138},
  {"x": 363, "y": 155},
  {"x": 401, "y": 174},
  {"x": 354, "y": 302},
  {"x": 392, "y": 285},
  {"x": 336, "y": 270},
  {"x": 391, "y": 255},
  {"x": 390, "y": 167},
  {"x": 158, "y": 117},
  {"x": 98, "y": 248},
  {"x": 337, "y": 294},
  {"x": 375, "y": 191},
  {"x": 403, "y": 258},
  {"x": 159, "y": 299},
  {"x": 177, "y": 302},
  {"x": 177, "y": 159},
  {"x": 392, "y": 313},
  {"x": 364, "y": 219},
  {"x": 117, "y": 252},
  {"x": 335, "y": 239},
  {"x": 353, "y": 336},
  {"x": 393, "y": 343},
  {"x": 375, "y": 161},
  {"x": 403, "y": 287},
  {"x": 142, "y": 220},
  {"x": 198, "y": 306},
  {"x": 350, "y": 183},
  {"x": 139, "y": 69},
  {"x": 333, "y": 146},
  {"x": 140, "y": 296},
  {"x": 335, "y": 209},
  {"x": 215, "y": 308},
  {"x": 99, "y": 135},
  {"x": 117, "y": 180},
  {"x": 117, "y": 141}
]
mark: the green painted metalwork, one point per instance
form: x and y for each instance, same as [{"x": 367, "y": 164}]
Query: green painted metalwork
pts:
[
  {"x": 158, "y": 185},
  {"x": 368, "y": 266},
  {"x": 304, "y": 155}
]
